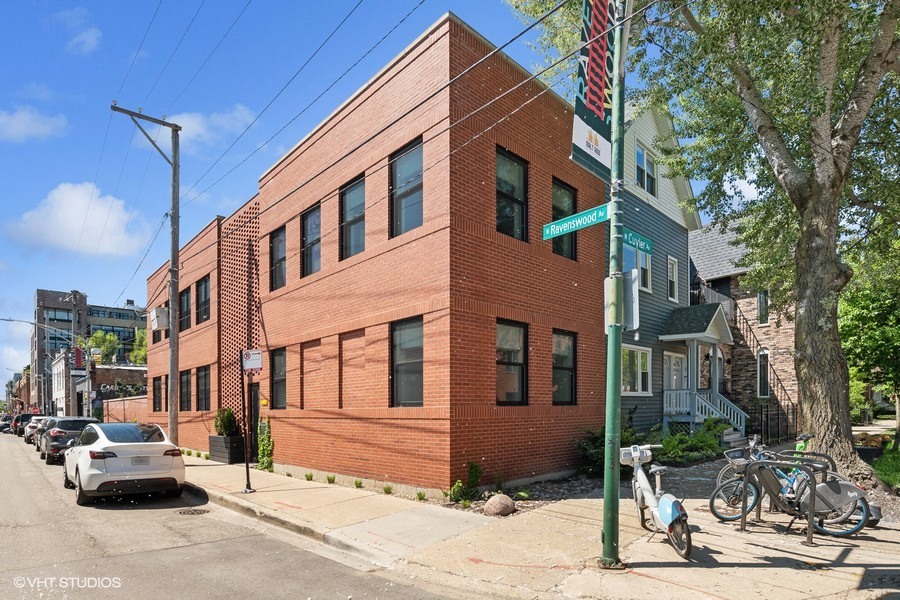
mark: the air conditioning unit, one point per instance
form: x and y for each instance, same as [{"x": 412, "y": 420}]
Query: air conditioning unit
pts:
[{"x": 159, "y": 319}]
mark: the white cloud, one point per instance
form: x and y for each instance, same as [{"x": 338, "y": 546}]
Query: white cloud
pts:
[
  {"x": 25, "y": 123},
  {"x": 36, "y": 91},
  {"x": 77, "y": 217},
  {"x": 74, "y": 18},
  {"x": 85, "y": 42},
  {"x": 200, "y": 131}
]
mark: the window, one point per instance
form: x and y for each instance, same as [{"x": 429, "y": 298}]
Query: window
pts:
[
  {"x": 563, "y": 367},
  {"x": 762, "y": 307},
  {"x": 157, "y": 336},
  {"x": 512, "y": 195},
  {"x": 406, "y": 363},
  {"x": 184, "y": 390},
  {"x": 157, "y": 393},
  {"x": 202, "y": 293},
  {"x": 353, "y": 218},
  {"x": 563, "y": 206},
  {"x": 279, "y": 378},
  {"x": 646, "y": 170},
  {"x": 58, "y": 314},
  {"x": 277, "y": 258},
  {"x": 406, "y": 188},
  {"x": 312, "y": 240},
  {"x": 184, "y": 310},
  {"x": 635, "y": 371},
  {"x": 512, "y": 360},
  {"x": 203, "y": 388},
  {"x": 762, "y": 374},
  {"x": 632, "y": 258},
  {"x": 673, "y": 279}
]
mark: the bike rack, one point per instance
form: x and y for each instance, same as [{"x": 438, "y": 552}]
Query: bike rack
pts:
[
  {"x": 810, "y": 455},
  {"x": 756, "y": 466}
]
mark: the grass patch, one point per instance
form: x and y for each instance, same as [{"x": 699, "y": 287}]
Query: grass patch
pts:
[{"x": 887, "y": 466}]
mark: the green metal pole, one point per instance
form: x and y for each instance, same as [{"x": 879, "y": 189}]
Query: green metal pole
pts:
[{"x": 615, "y": 318}]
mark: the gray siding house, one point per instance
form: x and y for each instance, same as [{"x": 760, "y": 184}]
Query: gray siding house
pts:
[{"x": 671, "y": 367}]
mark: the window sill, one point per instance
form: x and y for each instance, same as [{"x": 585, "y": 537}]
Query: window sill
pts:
[
  {"x": 763, "y": 324},
  {"x": 638, "y": 394}
]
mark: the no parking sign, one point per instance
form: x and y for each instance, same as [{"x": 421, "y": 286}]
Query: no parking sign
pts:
[{"x": 251, "y": 361}]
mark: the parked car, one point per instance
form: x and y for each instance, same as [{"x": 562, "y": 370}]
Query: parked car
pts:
[
  {"x": 19, "y": 422},
  {"x": 5, "y": 427},
  {"x": 59, "y": 431},
  {"x": 31, "y": 427},
  {"x": 110, "y": 459},
  {"x": 39, "y": 431}
]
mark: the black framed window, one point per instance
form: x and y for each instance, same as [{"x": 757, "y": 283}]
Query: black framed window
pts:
[
  {"x": 312, "y": 241},
  {"x": 762, "y": 374},
  {"x": 406, "y": 362},
  {"x": 156, "y": 336},
  {"x": 512, "y": 195},
  {"x": 353, "y": 218},
  {"x": 202, "y": 294},
  {"x": 277, "y": 259},
  {"x": 203, "y": 388},
  {"x": 279, "y": 378},
  {"x": 512, "y": 363},
  {"x": 184, "y": 390},
  {"x": 184, "y": 310},
  {"x": 157, "y": 394},
  {"x": 762, "y": 307},
  {"x": 406, "y": 188},
  {"x": 170, "y": 321},
  {"x": 564, "y": 345},
  {"x": 563, "y": 206}
]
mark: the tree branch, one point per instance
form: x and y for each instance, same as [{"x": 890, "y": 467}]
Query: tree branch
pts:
[
  {"x": 820, "y": 124},
  {"x": 881, "y": 58}
]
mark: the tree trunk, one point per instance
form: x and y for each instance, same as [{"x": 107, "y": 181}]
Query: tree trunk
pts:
[{"x": 819, "y": 361}]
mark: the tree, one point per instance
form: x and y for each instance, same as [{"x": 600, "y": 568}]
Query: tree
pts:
[
  {"x": 799, "y": 98},
  {"x": 106, "y": 341},
  {"x": 139, "y": 355}
]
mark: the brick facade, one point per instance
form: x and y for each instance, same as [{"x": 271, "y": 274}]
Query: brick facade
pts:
[{"x": 455, "y": 271}]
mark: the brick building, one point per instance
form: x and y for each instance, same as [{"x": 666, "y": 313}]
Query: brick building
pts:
[{"x": 391, "y": 269}]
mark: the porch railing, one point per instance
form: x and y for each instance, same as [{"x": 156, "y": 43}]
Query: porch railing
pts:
[
  {"x": 702, "y": 294},
  {"x": 703, "y": 405}
]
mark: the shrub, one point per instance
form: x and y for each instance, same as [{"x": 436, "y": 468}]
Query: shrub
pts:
[
  {"x": 420, "y": 496},
  {"x": 358, "y": 483},
  {"x": 189, "y": 452},
  {"x": 265, "y": 446},
  {"x": 309, "y": 476},
  {"x": 206, "y": 455},
  {"x": 388, "y": 489},
  {"x": 887, "y": 467},
  {"x": 225, "y": 422},
  {"x": 330, "y": 478},
  {"x": 466, "y": 503}
]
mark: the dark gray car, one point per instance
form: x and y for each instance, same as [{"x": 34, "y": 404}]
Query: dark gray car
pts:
[{"x": 57, "y": 435}]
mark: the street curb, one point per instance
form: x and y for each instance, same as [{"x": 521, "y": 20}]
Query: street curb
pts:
[{"x": 331, "y": 538}]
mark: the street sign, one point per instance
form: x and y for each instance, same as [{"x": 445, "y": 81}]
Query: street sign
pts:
[
  {"x": 251, "y": 361},
  {"x": 630, "y": 238},
  {"x": 586, "y": 218}
]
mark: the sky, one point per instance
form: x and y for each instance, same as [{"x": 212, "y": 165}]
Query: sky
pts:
[{"x": 85, "y": 193}]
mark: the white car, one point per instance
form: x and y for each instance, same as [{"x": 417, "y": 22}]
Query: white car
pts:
[
  {"x": 31, "y": 427},
  {"x": 109, "y": 459}
]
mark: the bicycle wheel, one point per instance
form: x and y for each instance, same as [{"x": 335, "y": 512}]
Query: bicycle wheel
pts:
[
  {"x": 725, "y": 474},
  {"x": 680, "y": 537},
  {"x": 727, "y": 500},
  {"x": 859, "y": 515}
]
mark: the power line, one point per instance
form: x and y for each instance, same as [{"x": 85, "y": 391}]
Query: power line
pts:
[
  {"x": 94, "y": 184},
  {"x": 171, "y": 56},
  {"x": 143, "y": 258},
  {"x": 305, "y": 108},
  {"x": 277, "y": 95},
  {"x": 136, "y": 54}
]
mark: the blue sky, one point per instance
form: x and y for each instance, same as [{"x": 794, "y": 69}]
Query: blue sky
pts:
[{"x": 85, "y": 193}]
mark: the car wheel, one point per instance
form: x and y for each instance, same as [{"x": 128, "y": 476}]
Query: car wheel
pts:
[
  {"x": 67, "y": 483},
  {"x": 174, "y": 493},
  {"x": 81, "y": 499},
  {"x": 48, "y": 458},
  {"x": 44, "y": 456}
]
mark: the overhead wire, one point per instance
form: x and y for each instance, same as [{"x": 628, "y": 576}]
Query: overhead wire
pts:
[
  {"x": 171, "y": 56},
  {"x": 140, "y": 47}
]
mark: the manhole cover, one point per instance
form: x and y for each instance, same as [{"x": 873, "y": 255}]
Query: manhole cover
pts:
[{"x": 192, "y": 511}]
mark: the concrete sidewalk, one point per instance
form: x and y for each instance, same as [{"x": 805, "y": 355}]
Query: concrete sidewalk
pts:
[{"x": 552, "y": 551}]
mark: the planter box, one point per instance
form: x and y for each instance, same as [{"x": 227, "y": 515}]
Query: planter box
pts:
[
  {"x": 869, "y": 453},
  {"x": 228, "y": 450}
]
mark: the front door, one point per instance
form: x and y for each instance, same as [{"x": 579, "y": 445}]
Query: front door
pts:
[{"x": 674, "y": 372}]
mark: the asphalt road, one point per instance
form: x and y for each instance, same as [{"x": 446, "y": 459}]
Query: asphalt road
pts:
[{"x": 147, "y": 547}]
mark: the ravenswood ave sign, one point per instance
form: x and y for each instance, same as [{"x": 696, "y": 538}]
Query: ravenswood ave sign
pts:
[{"x": 586, "y": 218}]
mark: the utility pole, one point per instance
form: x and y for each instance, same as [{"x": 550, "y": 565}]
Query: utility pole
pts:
[
  {"x": 610, "y": 556},
  {"x": 173, "y": 261}
]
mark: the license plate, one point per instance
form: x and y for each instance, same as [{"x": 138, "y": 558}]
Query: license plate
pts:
[{"x": 140, "y": 460}]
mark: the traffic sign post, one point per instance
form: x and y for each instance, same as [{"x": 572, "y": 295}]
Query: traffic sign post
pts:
[{"x": 251, "y": 362}]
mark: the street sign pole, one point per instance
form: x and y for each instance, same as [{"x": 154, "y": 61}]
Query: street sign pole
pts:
[{"x": 610, "y": 556}]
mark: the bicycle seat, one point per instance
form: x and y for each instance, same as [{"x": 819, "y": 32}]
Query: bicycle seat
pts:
[
  {"x": 803, "y": 437},
  {"x": 657, "y": 469}
]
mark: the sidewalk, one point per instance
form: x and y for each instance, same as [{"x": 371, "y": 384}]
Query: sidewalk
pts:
[{"x": 552, "y": 552}]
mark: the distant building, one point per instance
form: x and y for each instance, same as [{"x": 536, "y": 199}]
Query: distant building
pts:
[{"x": 63, "y": 317}]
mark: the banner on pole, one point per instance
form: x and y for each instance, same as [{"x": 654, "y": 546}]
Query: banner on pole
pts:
[{"x": 592, "y": 125}]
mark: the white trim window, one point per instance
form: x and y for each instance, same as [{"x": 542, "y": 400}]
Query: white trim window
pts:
[
  {"x": 632, "y": 258},
  {"x": 636, "y": 371},
  {"x": 672, "y": 285},
  {"x": 645, "y": 169},
  {"x": 762, "y": 374}
]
